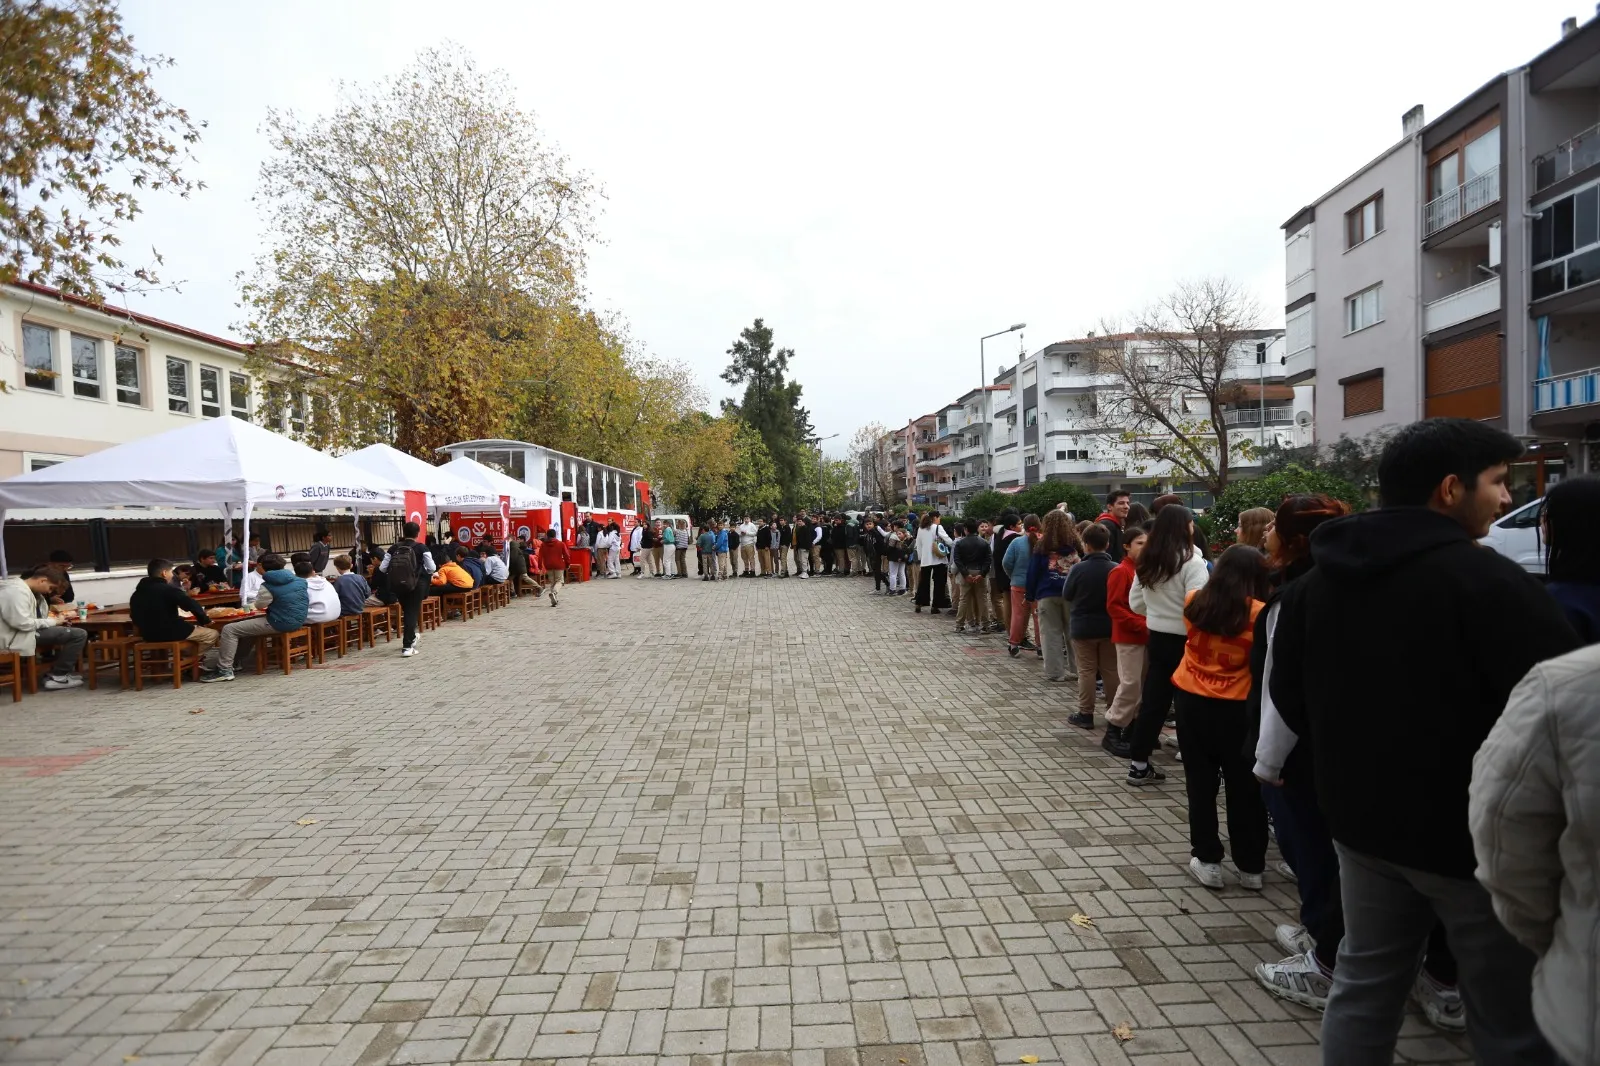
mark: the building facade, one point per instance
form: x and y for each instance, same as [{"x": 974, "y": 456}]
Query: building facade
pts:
[
  {"x": 1455, "y": 274},
  {"x": 79, "y": 378}
]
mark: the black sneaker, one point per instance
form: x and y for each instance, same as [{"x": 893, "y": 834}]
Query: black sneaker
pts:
[
  {"x": 1028, "y": 645},
  {"x": 1014, "y": 650},
  {"x": 1148, "y": 776},
  {"x": 1081, "y": 720},
  {"x": 1116, "y": 743}
]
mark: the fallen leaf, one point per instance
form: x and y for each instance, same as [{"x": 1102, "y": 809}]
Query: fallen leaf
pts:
[
  {"x": 130, "y": 1058},
  {"x": 572, "y": 1030},
  {"x": 306, "y": 821},
  {"x": 1123, "y": 1032},
  {"x": 1029, "y": 1058},
  {"x": 1082, "y": 921},
  {"x": 198, "y": 710}
]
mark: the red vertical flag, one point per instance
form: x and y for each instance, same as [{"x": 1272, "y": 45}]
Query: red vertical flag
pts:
[
  {"x": 417, "y": 509},
  {"x": 505, "y": 518}
]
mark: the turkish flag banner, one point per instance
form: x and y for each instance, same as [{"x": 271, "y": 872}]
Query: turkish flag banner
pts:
[
  {"x": 505, "y": 518},
  {"x": 417, "y": 510}
]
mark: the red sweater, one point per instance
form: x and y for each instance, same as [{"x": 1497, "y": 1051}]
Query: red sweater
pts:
[
  {"x": 553, "y": 554},
  {"x": 1126, "y": 627}
]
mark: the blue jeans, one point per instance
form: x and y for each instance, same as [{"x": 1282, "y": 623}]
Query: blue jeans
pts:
[{"x": 1308, "y": 849}]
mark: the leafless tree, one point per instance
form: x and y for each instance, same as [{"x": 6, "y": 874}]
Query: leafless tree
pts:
[
  {"x": 1172, "y": 373},
  {"x": 869, "y": 448}
]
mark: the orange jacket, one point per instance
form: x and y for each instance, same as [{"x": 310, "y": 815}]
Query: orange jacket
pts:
[
  {"x": 453, "y": 574},
  {"x": 1217, "y": 666}
]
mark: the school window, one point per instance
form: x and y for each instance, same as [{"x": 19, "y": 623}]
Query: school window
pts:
[
  {"x": 177, "y": 386},
  {"x": 297, "y": 412},
  {"x": 32, "y": 461},
  {"x": 1364, "y": 222},
  {"x": 239, "y": 396},
  {"x": 85, "y": 367},
  {"x": 1363, "y": 309},
  {"x": 130, "y": 386},
  {"x": 210, "y": 391},
  {"x": 39, "y": 358}
]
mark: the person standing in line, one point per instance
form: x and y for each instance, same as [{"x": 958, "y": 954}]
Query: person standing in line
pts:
[
  {"x": 407, "y": 566},
  {"x": 731, "y": 528},
  {"x": 913, "y": 565},
  {"x": 850, "y": 538},
  {"x": 614, "y": 551},
  {"x": 636, "y": 549},
  {"x": 1090, "y": 620},
  {"x": 764, "y": 548},
  {"x": 555, "y": 559},
  {"x": 1054, "y": 556},
  {"x": 726, "y": 538},
  {"x": 1535, "y": 795},
  {"x": 956, "y": 531},
  {"x": 1019, "y": 553},
  {"x": 933, "y": 552},
  {"x": 819, "y": 546},
  {"x": 747, "y": 547},
  {"x": 1128, "y": 637},
  {"x": 1115, "y": 518},
  {"x": 1253, "y": 524},
  {"x": 858, "y": 552},
  {"x": 782, "y": 545},
  {"x": 1169, "y": 569},
  {"x": 1437, "y": 676},
  {"x": 1213, "y": 690},
  {"x": 824, "y": 544},
  {"x": 872, "y": 545},
  {"x": 802, "y": 545},
  {"x": 1570, "y": 521},
  {"x": 707, "y": 546},
  {"x": 972, "y": 563},
  {"x": 666, "y": 550},
  {"x": 894, "y": 555},
  {"x": 1003, "y": 532},
  {"x": 683, "y": 540}
]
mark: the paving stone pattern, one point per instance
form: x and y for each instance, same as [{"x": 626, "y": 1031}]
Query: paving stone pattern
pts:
[{"x": 759, "y": 823}]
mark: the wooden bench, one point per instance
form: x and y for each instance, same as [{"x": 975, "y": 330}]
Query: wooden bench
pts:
[
  {"x": 375, "y": 620},
  {"x": 324, "y": 635},
  {"x": 432, "y": 615},
  {"x": 163, "y": 660},
  {"x": 282, "y": 649},
  {"x": 11, "y": 663},
  {"x": 105, "y": 653}
]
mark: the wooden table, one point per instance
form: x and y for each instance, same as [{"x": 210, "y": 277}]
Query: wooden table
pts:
[{"x": 120, "y": 623}]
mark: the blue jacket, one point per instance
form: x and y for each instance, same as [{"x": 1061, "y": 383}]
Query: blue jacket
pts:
[
  {"x": 471, "y": 565},
  {"x": 1047, "y": 575},
  {"x": 722, "y": 541},
  {"x": 353, "y": 591},
  {"x": 1015, "y": 562},
  {"x": 290, "y": 600},
  {"x": 1581, "y": 603}
]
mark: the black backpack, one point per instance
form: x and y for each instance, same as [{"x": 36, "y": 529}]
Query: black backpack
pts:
[{"x": 403, "y": 569}]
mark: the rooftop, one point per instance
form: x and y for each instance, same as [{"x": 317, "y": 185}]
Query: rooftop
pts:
[{"x": 131, "y": 316}]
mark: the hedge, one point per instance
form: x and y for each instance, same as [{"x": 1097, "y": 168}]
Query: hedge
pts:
[{"x": 1269, "y": 491}]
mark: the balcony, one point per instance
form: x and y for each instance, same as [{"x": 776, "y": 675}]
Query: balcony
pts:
[
  {"x": 1570, "y": 157},
  {"x": 1463, "y": 306},
  {"x": 1464, "y": 200},
  {"x": 1568, "y": 390},
  {"x": 1240, "y": 417},
  {"x": 1300, "y": 366},
  {"x": 971, "y": 481}
]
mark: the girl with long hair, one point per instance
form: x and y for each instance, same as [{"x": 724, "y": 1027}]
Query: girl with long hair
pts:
[
  {"x": 1213, "y": 689},
  {"x": 933, "y": 553},
  {"x": 1253, "y": 525},
  {"x": 1570, "y": 521},
  {"x": 1014, "y": 564},
  {"x": 1056, "y": 552},
  {"x": 1283, "y": 766},
  {"x": 1169, "y": 569}
]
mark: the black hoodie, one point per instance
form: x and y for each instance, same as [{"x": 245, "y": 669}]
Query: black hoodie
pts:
[{"x": 1395, "y": 656}]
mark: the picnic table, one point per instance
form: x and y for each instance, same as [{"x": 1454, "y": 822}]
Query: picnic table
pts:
[{"x": 118, "y": 622}]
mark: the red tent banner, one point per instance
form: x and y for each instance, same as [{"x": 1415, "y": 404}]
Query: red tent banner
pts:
[
  {"x": 417, "y": 509},
  {"x": 505, "y": 518}
]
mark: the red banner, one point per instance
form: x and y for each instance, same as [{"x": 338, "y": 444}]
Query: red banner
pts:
[
  {"x": 417, "y": 510},
  {"x": 505, "y": 518}
]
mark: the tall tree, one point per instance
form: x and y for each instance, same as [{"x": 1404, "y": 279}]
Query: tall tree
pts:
[
  {"x": 771, "y": 404},
  {"x": 824, "y": 482},
  {"x": 426, "y": 247},
  {"x": 1172, "y": 375},
  {"x": 82, "y": 132},
  {"x": 871, "y": 446}
]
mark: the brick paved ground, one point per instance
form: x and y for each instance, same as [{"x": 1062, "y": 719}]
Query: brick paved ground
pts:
[{"x": 757, "y": 823}]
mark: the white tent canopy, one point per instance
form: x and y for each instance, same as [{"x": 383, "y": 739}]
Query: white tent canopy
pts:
[
  {"x": 446, "y": 488},
  {"x": 523, "y": 497},
  {"x": 216, "y": 462}
]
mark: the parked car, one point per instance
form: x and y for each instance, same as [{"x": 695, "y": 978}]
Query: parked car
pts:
[{"x": 1517, "y": 537}]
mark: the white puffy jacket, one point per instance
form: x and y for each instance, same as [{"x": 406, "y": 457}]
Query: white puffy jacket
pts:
[
  {"x": 1162, "y": 606},
  {"x": 1534, "y": 810}
]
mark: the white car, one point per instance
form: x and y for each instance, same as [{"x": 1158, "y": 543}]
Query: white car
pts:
[{"x": 1517, "y": 537}]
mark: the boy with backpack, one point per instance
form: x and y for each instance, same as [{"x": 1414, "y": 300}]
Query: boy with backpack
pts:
[{"x": 406, "y": 568}]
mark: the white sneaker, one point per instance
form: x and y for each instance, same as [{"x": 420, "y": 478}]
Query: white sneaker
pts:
[
  {"x": 409, "y": 651},
  {"x": 1207, "y": 873},
  {"x": 1440, "y": 1003},
  {"x": 1250, "y": 881},
  {"x": 60, "y": 681},
  {"x": 1295, "y": 939},
  {"x": 1298, "y": 979},
  {"x": 1286, "y": 870}
]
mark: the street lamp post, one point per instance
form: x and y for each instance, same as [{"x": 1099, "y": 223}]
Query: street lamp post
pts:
[
  {"x": 822, "y": 500},
  {"x": 983, "y": 391}
]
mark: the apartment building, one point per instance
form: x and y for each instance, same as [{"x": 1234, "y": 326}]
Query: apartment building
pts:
[
  {"x": 79, "y": 377},
  {"x": 1050, "y": 427},
  {"x": 1455, "y": 273}
]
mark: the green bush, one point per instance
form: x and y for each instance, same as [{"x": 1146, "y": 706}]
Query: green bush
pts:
[
  {"x": 987, "y": 505},
  {"x": 1035, "y": 499},
  {"x": 1269, "y": 491}
]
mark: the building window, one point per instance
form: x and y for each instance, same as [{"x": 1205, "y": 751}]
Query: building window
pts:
[
  {"x": 1363, "y": 309},
  {"x": 1300, "y": 330},
  {"x": 1030, "y": 417},
  {"x": 210, "y": 391},
  {"x": 1364, "y": 222},
  {"x": 85, "y": 367},
  {"x": 39, "y": 358},
  {"x": 1363, "y": 394},
  {"x": 239, "y": 396},
  {"x": 1566, "y": 243},
  {"x": 583, "y": 486},
  {"x": 32, "y": 461},
  {"x": 297, "y": 412},
  {"x": 1060, "y": 455},
  {"x": 177, "y": 386},
  {"x": 552, "y": 477},
  {"x": 130, "y": 388}
]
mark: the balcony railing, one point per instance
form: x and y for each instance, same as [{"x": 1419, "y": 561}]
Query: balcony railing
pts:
[
  {"x": 1473, "y": 196},
  {"x": 1251, "y": 416},
  {"x": 1461, "y": 306},
  {"x": 971, "y": 481},
  {"x": 1570, "y": 157},
  {"x": 1568, "y": 390}
]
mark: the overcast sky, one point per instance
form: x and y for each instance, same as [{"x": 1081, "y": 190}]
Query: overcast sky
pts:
[{"x": 883, "y": 183}]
